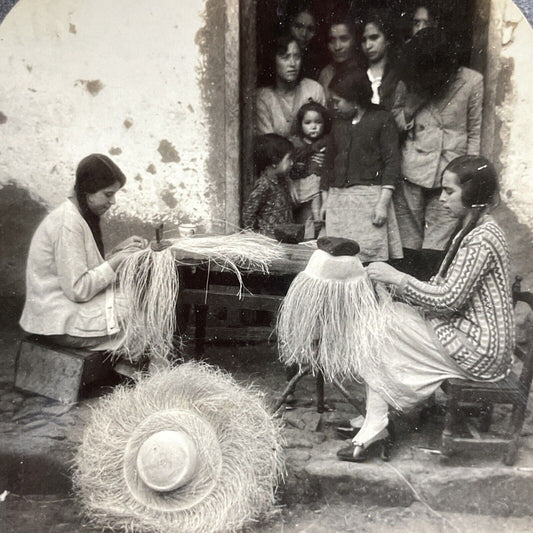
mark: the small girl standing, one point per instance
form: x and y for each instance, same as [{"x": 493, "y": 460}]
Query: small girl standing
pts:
[
  {"x": 361, "y": 171},
  {"x": 269, "y": 203},
  {"x": 313, "y": 125}
]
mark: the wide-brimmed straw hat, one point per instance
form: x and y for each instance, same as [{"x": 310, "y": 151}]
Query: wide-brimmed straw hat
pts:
[{"x": 186, "y": 450}]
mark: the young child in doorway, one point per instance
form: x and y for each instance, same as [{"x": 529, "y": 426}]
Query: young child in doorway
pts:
[
  {"x": 269, "y": 203},
  {"x": 313, "y": 124},
  {"x": 361, "y": 170}
]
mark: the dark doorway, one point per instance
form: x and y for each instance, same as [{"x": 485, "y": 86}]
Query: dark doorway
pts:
[{"x": 465, "y": 22}]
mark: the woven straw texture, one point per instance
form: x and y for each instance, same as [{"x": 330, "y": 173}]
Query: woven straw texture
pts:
[{"x": 238, "y": 441}]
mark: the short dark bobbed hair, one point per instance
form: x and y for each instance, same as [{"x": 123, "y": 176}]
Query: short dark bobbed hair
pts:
[
  {"x": 270, "y": 149},
  {"x": 353, "y": 86},
  {"x": 478, "y": 179},
  {"x": 320, "y": 109}
]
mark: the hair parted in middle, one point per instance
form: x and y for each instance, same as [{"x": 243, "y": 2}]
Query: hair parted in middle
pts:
[
  {"x": 479, "y": 191},
  {"x": 353, "y": 86},
  {"x": 269, "y": 150},
  {"x": 478, "y": 179},
  {"x": 278, "y": 46}
]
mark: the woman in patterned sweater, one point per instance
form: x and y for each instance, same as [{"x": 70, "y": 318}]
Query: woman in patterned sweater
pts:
[{"x": 458, "y": 325}]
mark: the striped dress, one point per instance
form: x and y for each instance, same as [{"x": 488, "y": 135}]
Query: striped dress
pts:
[{"x": 471, "y": 311}]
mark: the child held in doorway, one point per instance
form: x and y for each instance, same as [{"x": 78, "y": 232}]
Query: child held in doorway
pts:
[
  {"x": 269, "y": 204},
  {"x": 313, "y": 124},
  {"x": 361, "y": 170}
]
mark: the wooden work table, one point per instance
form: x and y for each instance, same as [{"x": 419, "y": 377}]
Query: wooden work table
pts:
[{"x": 205, "y": 284}]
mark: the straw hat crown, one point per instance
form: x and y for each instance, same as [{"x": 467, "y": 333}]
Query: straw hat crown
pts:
[{"x": 335, "y": 260}]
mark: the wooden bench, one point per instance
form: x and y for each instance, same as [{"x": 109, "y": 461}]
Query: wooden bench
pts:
[
  {"x": 58, "y": 372},
  {"x": 469, "y": 399}
]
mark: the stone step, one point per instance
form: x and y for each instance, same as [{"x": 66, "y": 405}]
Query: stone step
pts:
[{"x": 486, "y": 489}]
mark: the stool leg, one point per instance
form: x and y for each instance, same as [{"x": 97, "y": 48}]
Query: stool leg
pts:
[
  {"x": 450, "y": 423},
  {"x": 320, "y": 407},
  {"x": 291, "y": 385},
  {"x": 485, "y": 418},
  {"x": 515, "y": 427}
]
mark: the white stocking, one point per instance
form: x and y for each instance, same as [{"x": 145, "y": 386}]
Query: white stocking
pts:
[{"x": 376, "y": 418}]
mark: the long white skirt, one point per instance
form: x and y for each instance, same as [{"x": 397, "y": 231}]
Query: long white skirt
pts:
[{"x": 415, "y": 365}]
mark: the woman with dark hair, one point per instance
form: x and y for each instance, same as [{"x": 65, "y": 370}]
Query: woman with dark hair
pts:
[
  {"x": 458, "y": 325},
  {"x": 342, "y": 46},
  {"x": 302, "y": 26},
  {"x": 69, "y": 293},
  {"x": 376, "y": 44},
  {"x": 362, "y": 169},
  {"x": 424, "y": 16},
  {"x": 438, "y": 107},
  {"x": 277, "y": 104}
]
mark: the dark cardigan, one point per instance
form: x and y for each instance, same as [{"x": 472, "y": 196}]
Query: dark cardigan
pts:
[{"x": 366, "y": 153}]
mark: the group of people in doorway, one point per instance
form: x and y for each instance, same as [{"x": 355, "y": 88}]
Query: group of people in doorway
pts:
[{"x": 370, "y": 136}]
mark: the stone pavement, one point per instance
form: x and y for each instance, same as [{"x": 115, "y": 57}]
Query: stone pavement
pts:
[{"x": 38, "y": 438}]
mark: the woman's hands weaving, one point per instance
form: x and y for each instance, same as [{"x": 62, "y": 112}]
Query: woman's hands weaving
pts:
[{"x": 385, "y": 274}]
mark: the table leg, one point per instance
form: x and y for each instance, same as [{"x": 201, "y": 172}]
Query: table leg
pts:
[
  {"x": 200, "y": 327},
  {"x": 320, "y": 407}
]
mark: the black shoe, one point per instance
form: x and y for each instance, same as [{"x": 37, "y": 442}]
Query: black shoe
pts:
[{"x": 359, "y": 452}]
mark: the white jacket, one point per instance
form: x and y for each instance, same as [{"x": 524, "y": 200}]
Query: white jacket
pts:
[{"x": 68, "y": 284}]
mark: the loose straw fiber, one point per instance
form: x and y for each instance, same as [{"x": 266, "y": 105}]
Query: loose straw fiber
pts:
[
  {"x": 337, "y": 327},
  {"x": 238, "y": 440},
  {"x": 148, "y": 282}
]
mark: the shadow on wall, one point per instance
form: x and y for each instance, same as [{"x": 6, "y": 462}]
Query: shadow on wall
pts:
[
  {"x": 520, "y": 240},
  {"x": 20, "y": 215}
]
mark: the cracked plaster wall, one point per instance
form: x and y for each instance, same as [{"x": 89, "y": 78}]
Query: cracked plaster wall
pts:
[
  {"x": 113, "y": 76},
  {"x": 127, "y": 79},
  {"x": 510, "y": 97}
]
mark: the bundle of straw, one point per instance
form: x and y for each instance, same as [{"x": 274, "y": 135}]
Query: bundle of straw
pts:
[
  {"x": 337, "y": 327},
  {"x": 238, "y": 440},
  {"x": 148, "y": 281}
]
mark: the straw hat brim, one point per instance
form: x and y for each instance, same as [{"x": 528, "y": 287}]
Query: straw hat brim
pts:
[{"x": 238, "y": 443}]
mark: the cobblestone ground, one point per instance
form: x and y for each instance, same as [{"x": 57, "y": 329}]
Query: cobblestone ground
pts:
[{"x": 49, "y": 514}]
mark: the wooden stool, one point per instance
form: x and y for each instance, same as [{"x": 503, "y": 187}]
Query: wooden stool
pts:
[
  {"x": 56, "y": 371},
  {"x": 475, "y": 398}
]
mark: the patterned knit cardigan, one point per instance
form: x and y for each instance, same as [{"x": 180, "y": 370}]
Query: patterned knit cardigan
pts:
[{"x": 471, "y": 310}]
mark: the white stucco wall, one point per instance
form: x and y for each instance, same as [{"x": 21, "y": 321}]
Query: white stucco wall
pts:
[
  {"x": 513, "y": 105},
  {"x": 118, "y": 77}
]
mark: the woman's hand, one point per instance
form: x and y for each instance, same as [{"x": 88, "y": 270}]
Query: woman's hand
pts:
[
  {"x": 116, "y": 259},
  {"x": 380, "y": 214},
  {"x": 134, "y": 243},
  {"x": 379, "y": 217},
  {"x": 385, "y": 274}
]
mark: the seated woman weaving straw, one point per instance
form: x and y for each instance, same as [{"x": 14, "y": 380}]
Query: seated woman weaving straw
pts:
[
  {"x": 69, "y": 285},
  {"x": 458, "y": 325}
]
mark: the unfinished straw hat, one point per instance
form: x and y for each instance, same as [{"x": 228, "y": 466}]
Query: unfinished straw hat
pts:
[
  {"x": 187, "y": 450},
  {"x": 331, "y": 317}
]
